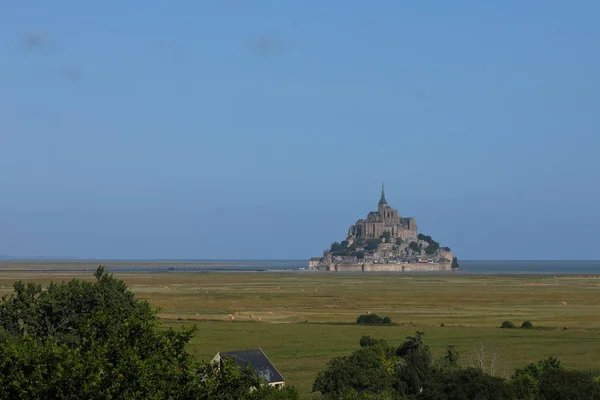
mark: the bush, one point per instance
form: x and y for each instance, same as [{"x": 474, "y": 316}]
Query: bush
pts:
[
  {"x": 373, "y": 244},
  {"x": 338, "y": 247},
  {"x": 368, "y": 341},
  {"x": 95, "y": 340},
  {"x": 507, "y": 325},
  {"x": 455, "y": 264},
  {"x": 373, "y": 319},
  {"x": 432, "y": 248},
  {"x": 526, "y": 325}
]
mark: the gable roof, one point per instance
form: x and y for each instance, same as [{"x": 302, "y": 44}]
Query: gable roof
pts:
[{"x": 258, "y": 361}]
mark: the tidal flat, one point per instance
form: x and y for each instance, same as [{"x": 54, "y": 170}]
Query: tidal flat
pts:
[{"x": 303, "y": 319}]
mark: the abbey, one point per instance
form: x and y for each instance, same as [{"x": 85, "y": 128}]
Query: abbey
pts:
[
  {"x": 385, "y": 219},
  {"x": 385, "y": 241}
]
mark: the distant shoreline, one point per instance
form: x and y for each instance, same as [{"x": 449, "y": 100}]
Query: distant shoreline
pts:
[{"x": 485, "y": 267}]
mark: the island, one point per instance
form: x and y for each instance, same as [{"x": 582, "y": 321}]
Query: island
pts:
[{"x": 384, "y": 241}]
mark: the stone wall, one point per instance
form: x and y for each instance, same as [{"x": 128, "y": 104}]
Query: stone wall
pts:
[{"x": 412, "y": 267}]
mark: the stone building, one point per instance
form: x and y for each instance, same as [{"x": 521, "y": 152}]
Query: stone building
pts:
[{"x": 385, "y": 219}]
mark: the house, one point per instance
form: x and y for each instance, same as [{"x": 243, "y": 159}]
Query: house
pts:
[{"x": 258, "y": 361}]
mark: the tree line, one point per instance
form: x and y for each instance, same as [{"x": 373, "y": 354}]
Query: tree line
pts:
[{"x": 378, "y": 370}]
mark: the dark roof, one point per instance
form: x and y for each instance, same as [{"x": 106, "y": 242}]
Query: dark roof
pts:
[
  {"x": 382, "y": 201},
  {"x": 258, "y": 361}
]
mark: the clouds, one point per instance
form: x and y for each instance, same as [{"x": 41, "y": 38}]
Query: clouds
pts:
[{"x": 36, "y": 41}]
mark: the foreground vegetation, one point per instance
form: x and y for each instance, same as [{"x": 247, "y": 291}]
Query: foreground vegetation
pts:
[
  {"x": 409, "y": 371},
  {"x": 82, "y": 340},
  {"x": 303, "y": 320}
]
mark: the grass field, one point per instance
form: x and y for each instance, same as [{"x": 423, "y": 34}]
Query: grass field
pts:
[{"x": 302, "y": 320}]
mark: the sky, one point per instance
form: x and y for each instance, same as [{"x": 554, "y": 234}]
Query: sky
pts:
[{"x": 255, "y": 129}]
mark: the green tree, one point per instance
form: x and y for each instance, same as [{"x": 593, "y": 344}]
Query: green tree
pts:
[
  {"x": 526, "y": 381},
  {"x": 507, "y": 325},
  {"x": 93, "y": 340},
  {"x": 339, "y": 247},
  {"x": 432, "y": 248},
  {"x": 571, "y": 385},
  {"x": 373, "y": 244},
  {"x": 414, "y": 246},
  {"x": 466, "y": 384},
  {"x": 455, "y": 264},
  {"x": 364, "y": 371}
]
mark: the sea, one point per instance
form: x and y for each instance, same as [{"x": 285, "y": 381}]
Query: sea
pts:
[
  {"x": 466, "y": 266},
  {"x": 553, "y": 267}
]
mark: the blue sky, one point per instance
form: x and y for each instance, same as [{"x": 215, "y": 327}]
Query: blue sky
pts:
[{"x": 263, "y": 129}]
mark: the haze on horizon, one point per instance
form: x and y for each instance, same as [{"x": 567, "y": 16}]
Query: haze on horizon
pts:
[{"x": 261, "y": 129}]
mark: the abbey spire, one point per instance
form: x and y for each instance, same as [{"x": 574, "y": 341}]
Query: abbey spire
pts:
[{"x": 382, "y": 201}]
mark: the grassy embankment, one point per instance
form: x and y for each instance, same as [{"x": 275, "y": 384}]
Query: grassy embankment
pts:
[{"x": 302, "y": 320}]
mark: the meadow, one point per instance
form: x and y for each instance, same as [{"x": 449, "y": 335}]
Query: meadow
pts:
[{"x": 302, "y": 319}]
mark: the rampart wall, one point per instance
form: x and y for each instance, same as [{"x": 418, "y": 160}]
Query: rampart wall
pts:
[{"x": 412, "y": 267}]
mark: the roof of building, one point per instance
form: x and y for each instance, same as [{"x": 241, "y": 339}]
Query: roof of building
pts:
[
  {"x": 382, "y": 201},
  {"x": 258, "y": 361}
]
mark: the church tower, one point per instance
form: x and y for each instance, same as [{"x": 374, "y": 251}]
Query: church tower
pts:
[{"x": 383, "y": 204}]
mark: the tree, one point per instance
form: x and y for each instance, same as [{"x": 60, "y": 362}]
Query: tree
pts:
[
  {"x": 373, "y": 319},
  {"x": 469, "y": 383},
  {"x": 425, "y": 238},
  {"x": 93, "y": 340},
  {"x": 373, "y": 244},
  {"x": 387, "y": 235},
  {"x": 526, "y": 381},
  {"x": 367, "y": 341},
  {"x": 399, "y": 241},
  {"x": 432, "y": 248},
  {"x": 526, "y": 325},
  {"x": 571, "y": 385},
  {"x": 547, "y": 379},
  {"x": 507, "y": 325},
  {"x": 455, "y": 264},
  {"x": 338, "y": 247},
  {"x": 364, "y": 371},
  {"x": 414, "y": 246}
]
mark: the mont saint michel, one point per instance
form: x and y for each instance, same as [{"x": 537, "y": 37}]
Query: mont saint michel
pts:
[{"x": 385, "y": 241}]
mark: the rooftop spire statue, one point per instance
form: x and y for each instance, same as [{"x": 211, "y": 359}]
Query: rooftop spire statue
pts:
[{"x": 382, "y": 201}]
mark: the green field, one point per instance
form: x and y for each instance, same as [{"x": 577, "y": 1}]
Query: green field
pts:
[{"x": 301, "y": 320}]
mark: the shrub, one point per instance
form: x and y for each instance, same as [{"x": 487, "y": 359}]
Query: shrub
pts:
[
  {"x": 373, "y": 244},
  {"x": 526, "y": 325},
  {"x": 373, "y": 319},
  {"x": 455, "y": 264},
  {"x": 507, "y": 325},
  {"x": 338, "y": 247},
  {"x": 368, "y": 341},
  {"x": 414, "y": 246}
]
